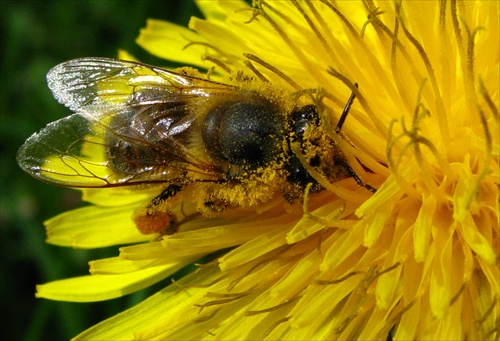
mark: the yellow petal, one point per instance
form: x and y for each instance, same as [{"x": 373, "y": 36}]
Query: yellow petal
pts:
[
  {"x": 172, "y": 42},
  {"x": 104, "y": 287},
  {"x": 94, "y": 226}
]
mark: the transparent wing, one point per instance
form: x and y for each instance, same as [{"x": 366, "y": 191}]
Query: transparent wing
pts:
[
  {"x": 103, "y": 83},
  {"x": 131, "y": 126}
]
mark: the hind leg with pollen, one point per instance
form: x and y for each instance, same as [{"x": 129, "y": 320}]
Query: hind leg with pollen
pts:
[{"x": 154, "y": 217}]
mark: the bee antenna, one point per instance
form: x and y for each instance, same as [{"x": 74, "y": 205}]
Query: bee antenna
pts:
[{"x": 345, "y": 112}]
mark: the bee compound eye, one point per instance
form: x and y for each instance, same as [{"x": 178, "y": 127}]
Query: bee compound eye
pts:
[
  {"x": 244, "y": 133},
  {"x": 304, "y": 118}
]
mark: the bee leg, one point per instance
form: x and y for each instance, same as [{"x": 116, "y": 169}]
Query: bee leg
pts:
[
  {"x": 150, "y": 219},
  {"x": 356, "y": 178},
  {"x": 174, "y": 225},
  {"x": 167, "y": 193},
  {"x": 212, "y": 201},
  {"x": 216, "y": 206}
]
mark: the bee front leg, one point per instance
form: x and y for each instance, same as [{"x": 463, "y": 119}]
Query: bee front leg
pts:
[
  {"x": 154, "y": 217},
  {"x": 356, "y": 178}
]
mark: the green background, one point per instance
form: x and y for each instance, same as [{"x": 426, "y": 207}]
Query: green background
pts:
[{"x": 35, "y": 36}]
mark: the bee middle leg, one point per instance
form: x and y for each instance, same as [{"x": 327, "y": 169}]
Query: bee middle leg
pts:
[
  {"x": 217, "y": 206},
  {"x": 166, "y": 194},
  {"x": 213, "y": 202}
]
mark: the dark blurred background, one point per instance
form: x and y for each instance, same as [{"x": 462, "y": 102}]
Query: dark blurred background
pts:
[{"x": 35, "y": 36}]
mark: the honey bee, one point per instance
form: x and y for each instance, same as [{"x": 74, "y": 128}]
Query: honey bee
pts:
[{"x": 139, "y": 125}]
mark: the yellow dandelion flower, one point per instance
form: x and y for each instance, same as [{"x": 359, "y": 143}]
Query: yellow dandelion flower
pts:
[{"x": 417, "y": 259}]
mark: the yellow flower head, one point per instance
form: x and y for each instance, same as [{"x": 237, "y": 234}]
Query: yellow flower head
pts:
[{"x": 418, "y": 259}]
